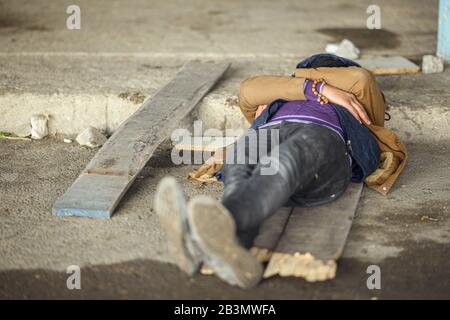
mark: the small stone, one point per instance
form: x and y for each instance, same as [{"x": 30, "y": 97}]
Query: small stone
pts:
[
  {"x": 345, "y": 49},
  {"x": 39, "y": 126},
  {"x": 91, "y": 137},
  {"x": 432, "y": 64},
  {"x": 67, "y": 140}
]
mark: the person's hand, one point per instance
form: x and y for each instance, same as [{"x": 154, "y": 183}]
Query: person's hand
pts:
[
  {"x": 346, "y": 100},
  {"x": 260, "y": 109}
]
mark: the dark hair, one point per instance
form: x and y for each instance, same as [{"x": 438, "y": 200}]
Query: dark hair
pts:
[{"x": 326, "y": 60}]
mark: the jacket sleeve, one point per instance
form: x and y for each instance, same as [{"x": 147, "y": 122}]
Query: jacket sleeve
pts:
[
  {"x": 358, "y": 81},
  {"x": 260, "y": 90}
]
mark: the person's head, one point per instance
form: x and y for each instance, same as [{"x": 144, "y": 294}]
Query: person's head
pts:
[{"x": 326, "y": 60}]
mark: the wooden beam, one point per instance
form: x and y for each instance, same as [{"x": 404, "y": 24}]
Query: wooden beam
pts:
[
  {"x": 314, "y": 238},
  {"x": 107, "y": 177},
  {"x": 389, "y": 65},
  {"x": 306, "y": 242},
  {"x": 272, "y": 229},
  {"x": 270, "y": 233},
  {"x": 206, "y": 144}
]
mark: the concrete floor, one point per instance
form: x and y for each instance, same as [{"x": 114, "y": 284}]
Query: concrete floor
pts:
[
  {"x": 215, "y": 29},
  {"x": 46, "y": 68},
  {"x": 119, "y": 256}
]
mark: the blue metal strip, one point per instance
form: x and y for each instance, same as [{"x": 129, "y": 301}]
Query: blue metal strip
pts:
[{"x": 443, "y": 43}]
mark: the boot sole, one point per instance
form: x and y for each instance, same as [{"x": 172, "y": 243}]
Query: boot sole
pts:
[
  {"x": 170, "y": 205},
  {"x": 213, "y": 230}
]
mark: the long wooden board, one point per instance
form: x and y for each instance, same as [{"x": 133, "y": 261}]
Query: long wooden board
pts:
[
  {"x": 271, "y": 230},
  {"x": 389, "y": 65},
  {"x": 306, "y": 242},
  {"x": 98, "y": 190},
  {"x": 314, "y": 238},
  {"x": 321, "y": 231},
  {"x": 210, "y": 143}
]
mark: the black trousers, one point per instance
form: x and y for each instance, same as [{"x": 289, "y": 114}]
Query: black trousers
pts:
[{"x": 288, "y": 164}]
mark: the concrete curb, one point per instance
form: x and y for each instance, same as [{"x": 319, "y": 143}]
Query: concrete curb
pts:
[{"x": 70, "y": 114}]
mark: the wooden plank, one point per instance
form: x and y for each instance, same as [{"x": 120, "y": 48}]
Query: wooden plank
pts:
[
  {"x": 111, "y": 172},
  {"x": 92, "y": 195},
  {"x": 270, "y": 233},
  {"x": 272, "y": 229},
  {"x": 210, "y": 144},
  {"x": 132, "y": 144},
  {"x": 321, "y": 231},
  {"x": 314, "y": 238},
  {"x": 389, "y": 65}
]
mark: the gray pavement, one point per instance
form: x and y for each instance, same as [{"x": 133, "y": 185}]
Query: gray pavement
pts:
[
  {"x": 119, "y": 256},
  {"x": 198, "y": 28}
]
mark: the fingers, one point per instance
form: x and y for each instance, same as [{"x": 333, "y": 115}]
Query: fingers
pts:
[
  {"x": 259, "y": 111},
  {"x": 360, "y": 110},
  {"x": 353, "y": 111},
  {"x": 347, "y": 100}
]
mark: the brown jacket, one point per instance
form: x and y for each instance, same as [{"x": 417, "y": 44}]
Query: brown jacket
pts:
[{"x": 262, "y": 90}]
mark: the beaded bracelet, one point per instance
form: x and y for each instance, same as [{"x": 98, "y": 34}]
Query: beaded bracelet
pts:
[{"x": 320, "y": 97}]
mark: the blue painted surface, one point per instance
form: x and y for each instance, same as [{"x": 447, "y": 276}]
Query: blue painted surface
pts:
[
  {"x": 74, "y": 212},
  {"x": 443, "y": 45}
]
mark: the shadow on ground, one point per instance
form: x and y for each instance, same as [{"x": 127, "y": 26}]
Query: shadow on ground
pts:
[{"x": 144, "y": 279}]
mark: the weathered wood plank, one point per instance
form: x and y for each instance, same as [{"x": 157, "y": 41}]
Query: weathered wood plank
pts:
[
  {"x": 322, "y": 231},
  {"x": 306, "y": 242},
  {"x": 132, "y": 144},
  {"x": 314, "y": 238},
  {"x": 210, "y": 144},
  {"x": 269, "y": 234},
  {"x": 389, "y": 65},
  {"x": 92, "y": 195},
  {"x": 111, "y": 172},
  {"x": 272, "y": 229}
]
